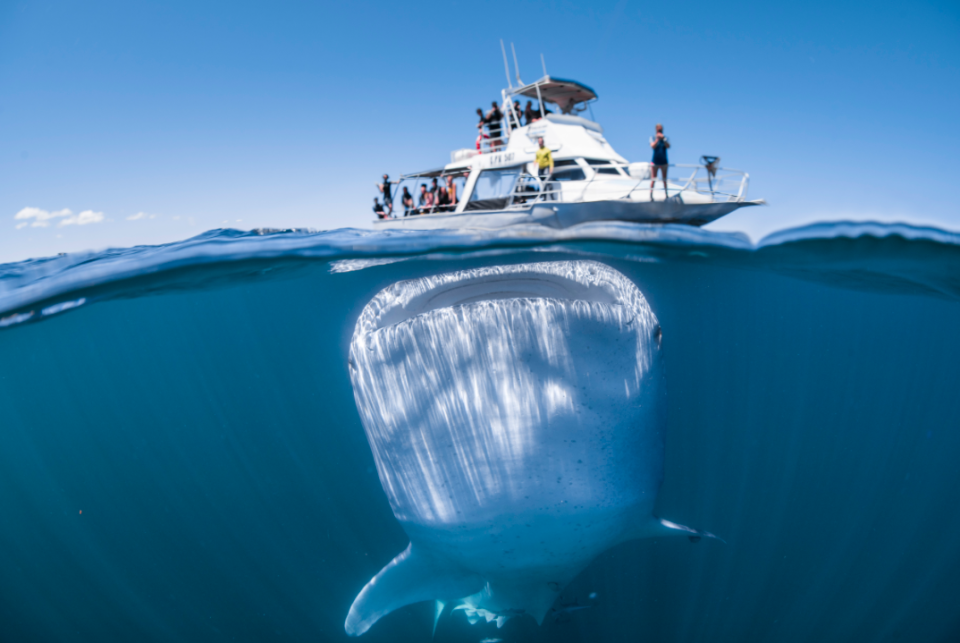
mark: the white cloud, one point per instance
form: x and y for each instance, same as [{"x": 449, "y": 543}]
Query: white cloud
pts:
[
  {"x": 40, "y": 218},
  {"x": 141, "y": 215},
  {"x": 85, "y": 217},
  {"x": 37, "y": 218}
]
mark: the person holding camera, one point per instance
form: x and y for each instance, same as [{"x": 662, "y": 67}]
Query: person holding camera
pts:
[{"x": 660, "y": 145}]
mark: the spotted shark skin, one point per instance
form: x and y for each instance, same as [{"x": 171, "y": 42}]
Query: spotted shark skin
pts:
[{"x": 516, "y": 415}]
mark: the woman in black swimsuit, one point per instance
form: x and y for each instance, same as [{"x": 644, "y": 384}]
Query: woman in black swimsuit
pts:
[{"x": 660, "y": 145}]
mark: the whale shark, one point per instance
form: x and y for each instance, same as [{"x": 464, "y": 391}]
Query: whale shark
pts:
[{"x": 516, "y": 415}]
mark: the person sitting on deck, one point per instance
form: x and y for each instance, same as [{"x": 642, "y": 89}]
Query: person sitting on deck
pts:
[
  {"x": 407, "y": 199},
  {"x": 443, "y": 199},
  {"x": 385, "y": 191},
  {"x": 426, "y": 199},
  {"x": 378, "y": 209},
  {"x": 451, "y": 190}
]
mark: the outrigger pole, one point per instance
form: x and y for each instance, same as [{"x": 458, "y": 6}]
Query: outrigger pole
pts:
[
  {"x": 515, "y": 65},
  {"x": 506, "y": 65}
]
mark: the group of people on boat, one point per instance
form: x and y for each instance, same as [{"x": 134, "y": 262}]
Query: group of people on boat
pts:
[
  {"x": 493, "y": 121},
  {"x": 433, "y": 198},
  {"x": 437, "y": 197}
]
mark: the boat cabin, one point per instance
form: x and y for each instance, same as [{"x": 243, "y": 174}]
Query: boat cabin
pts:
[{"x": 500, "y": 171}]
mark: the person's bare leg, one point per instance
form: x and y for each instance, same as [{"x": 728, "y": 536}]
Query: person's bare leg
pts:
[
  {"x": 653, "y": 179},
  {"x": 663, "y": 173}
]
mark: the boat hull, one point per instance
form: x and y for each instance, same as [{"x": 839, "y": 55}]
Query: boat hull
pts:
[{"x": 564, "y": 215}]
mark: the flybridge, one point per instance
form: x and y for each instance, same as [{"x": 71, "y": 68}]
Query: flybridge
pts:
[{"x": 568, "y": 95}]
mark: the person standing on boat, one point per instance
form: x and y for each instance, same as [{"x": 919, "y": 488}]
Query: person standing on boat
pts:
[
  {"x": 544, "y": 161},
  {"x": 493, "y": 119},
  {"x": 529, "y": 114},
  {"x": 518, "y": 113},
  {"x": 385, "y": 191},
  {"x": 660, "y": 145}
]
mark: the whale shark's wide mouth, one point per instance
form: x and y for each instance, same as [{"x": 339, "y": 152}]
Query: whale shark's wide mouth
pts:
[{"x": 587, "y": 281}]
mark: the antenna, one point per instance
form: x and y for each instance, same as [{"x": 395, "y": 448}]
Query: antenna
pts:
[
  {"x": 515, "y": 65},
  {"x": 544, "y": 63},
  {"x": 506, "y": 65}
]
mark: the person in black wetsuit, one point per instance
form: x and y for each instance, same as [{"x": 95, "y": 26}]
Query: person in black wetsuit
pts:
[
  {"x": 378, "y": 209},
  {"x": 660, "y": 145},
  {"x": 493, "y": 119}
]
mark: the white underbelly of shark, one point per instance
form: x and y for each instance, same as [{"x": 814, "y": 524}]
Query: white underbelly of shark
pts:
[{"x": 516, "y": 415}]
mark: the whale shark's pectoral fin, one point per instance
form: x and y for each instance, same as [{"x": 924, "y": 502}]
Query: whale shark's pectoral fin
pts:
[
  {"x": 663, "y": 527},
  {"x": 438, "y": 610},
  {"x": 655, "y": 527},
  {"x": 411, "y": 577}
]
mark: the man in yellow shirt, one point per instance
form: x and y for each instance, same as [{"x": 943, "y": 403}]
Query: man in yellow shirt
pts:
[{"x": 544, "y": 160}]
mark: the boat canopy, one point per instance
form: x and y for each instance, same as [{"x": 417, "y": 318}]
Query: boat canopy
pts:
[
  {"x": 426, "y": 174},
  {"x": 557, "y": 90}
]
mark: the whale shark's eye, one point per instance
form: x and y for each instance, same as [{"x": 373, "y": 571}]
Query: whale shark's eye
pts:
[{"x": 658, "y": 335}]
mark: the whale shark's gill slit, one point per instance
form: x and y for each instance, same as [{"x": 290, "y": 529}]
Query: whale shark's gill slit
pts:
[{"x": 516, "y": 404}]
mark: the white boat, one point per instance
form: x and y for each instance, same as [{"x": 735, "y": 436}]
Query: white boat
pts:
[{"x": 497, "y": 183}]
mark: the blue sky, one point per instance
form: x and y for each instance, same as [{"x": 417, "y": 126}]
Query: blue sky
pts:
[{"x": 152, "y": 122}]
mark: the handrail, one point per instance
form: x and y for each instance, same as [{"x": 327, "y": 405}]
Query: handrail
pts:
[
  {"x": 530, "y": 188},
  {"x": 553, "y": 189},
  {"x": 487, "y": 144}
]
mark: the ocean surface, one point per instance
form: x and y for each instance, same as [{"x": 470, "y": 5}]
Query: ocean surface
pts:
[{"x": 182, "y": 457}]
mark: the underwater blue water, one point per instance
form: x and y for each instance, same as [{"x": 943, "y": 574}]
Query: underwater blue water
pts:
[{"x": 182, "y": 459}]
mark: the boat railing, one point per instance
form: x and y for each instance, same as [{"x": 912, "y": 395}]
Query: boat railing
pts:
[
  {"x": 720, "y": 184},
  {"x": 492, "y": 142}
]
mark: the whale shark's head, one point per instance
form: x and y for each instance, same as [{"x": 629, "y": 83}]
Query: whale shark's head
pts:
[{"x": 516, "y": 416}]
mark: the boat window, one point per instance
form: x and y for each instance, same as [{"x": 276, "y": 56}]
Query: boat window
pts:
[
  {"x": 570, "y": 173},
  {"x": 604, "y": 170},
  {"x": 493, "y": 188}
]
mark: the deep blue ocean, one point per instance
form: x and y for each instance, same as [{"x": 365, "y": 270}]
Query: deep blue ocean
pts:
[{"x": 182, "y": 458}]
